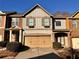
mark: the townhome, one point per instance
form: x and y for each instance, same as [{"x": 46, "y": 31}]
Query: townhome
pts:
[
  {"x": 37, "y": 28},
  {"x": 37, "y": 25}
]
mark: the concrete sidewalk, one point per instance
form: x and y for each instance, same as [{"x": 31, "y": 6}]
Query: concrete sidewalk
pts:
[{"x": 35, "y": 52}]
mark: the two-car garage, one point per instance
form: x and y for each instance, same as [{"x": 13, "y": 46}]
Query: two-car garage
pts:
[{"x": 38, "y": 41}]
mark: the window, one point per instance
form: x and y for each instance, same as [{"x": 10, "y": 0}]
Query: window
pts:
[
  {"x": 31, "y": 22},
  {"x": 58, "y": 23},
  {"x": 74, "y": 23},
  {"x": 46, "y": 22},
  {"x": 15, "y": 22},
  {"x": 61, "y": 40},
  {"x": 0, "y": 20}
]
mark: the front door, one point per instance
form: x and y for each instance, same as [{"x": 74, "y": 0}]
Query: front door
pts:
[
  {"x": 62, "y": 39},
  {"x": 15, "y": 36}
]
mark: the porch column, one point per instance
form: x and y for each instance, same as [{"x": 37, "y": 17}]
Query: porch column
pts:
[
  {"x": 10, "y": 35},
  {"x": 69, "y": 39},
  {"x": 53, "y": 37},
  {"x": 20, "y": 33}
]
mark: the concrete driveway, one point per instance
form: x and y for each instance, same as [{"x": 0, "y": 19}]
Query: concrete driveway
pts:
[{"x": 38, "y": 53}]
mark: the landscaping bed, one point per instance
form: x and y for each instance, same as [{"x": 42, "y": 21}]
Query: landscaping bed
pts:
[
  {"x": 11, "y": 49},
  {"x": 64, "y": 53},
  {"x": 7, "y": 53},
  {"x": 67, "y": 53}
]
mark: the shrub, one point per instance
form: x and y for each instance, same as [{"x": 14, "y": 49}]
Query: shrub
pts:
[
  {"x": 57, "y": 45},
  {"x": 14, "y": 46},
  {"x": 23, "y": 48},
  {"x": 3, "y": 43}
]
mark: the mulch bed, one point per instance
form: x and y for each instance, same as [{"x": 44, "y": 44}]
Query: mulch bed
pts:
[
  {"x": 7, "y": 53},
  {"x": 64, "y": 53}
]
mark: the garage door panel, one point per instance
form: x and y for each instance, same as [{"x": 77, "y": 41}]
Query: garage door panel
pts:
[
  {"x": 38, "y": 41},
  {"x": 75, "y": 43}
]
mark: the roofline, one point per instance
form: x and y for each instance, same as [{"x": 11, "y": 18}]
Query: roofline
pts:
[
  {"x": 8, "y": 13},
  {"x": 75, "y": 13},
  {"x": 34, "y": 7},
  {"x": 60, "y": 18}
]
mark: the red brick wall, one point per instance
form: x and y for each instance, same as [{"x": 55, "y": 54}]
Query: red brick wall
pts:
[{"x": 20, "y": 22}]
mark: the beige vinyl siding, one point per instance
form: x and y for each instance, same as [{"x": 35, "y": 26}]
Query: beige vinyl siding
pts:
[
  {"x": 63, "y": 24},
  {"x": 38, "y": 23},
  {"x": 38, "y": 12}
]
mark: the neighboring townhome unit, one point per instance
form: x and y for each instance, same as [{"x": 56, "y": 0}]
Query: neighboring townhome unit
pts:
[
  {"x": 14, "y": 29},
  {"x": 2, "y": 24},
  {"x": 61, "y": 32},
  {"x": 74, "y": 29}
]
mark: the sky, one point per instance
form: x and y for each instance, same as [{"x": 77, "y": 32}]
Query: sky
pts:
[{"x": 51, "y": 6}]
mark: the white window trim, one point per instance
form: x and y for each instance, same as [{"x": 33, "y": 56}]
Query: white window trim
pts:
[
  {"x": 29, "y": 22},
  {"x": 56, "y": 23},
  {"x": 43, "y": 21},
  {"x": 16, "y": 21}
]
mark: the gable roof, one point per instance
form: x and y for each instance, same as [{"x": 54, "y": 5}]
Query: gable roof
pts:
[
  {"x": 7, "y": 13},
  {"x": 1, "y": 12},
  {"x": 59, "y": 14},
  {"x": 37, "y": 5},
  {"x": 75, "y": 13},
  {"x": 16, "y": 15}
]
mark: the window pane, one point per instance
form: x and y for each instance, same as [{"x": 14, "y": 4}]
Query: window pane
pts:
[
  {"x": 62, "y": 40},
  {"x": 46, "y": 22},
  {"x": 58, "y": 23},
  {"x": 74, "y": 23},
  {"x": 15, "y": 22},
  {"x": 31, "y": 22},
  {"x": 59, "y": 39}
]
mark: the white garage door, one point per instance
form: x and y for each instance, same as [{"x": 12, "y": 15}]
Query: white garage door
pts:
[
  {"x": 75, "y": 43},
  {"x": 38, "y": 41}
]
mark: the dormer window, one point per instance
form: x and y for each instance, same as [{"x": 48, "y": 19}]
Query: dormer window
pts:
[
  {"x": 31, "y": 22},
  {"x": 46, "y": 22},
  {"x": 15, "y": 22}
]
